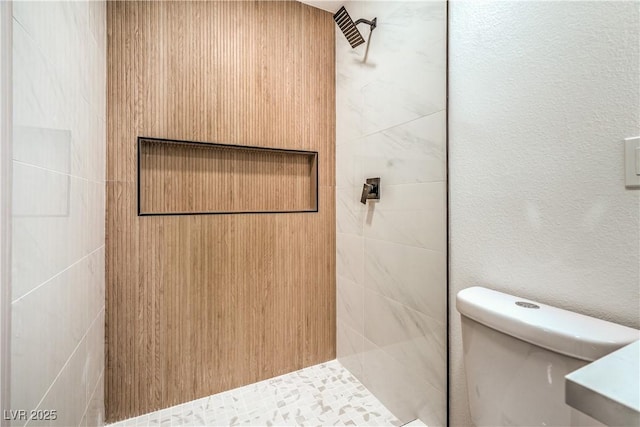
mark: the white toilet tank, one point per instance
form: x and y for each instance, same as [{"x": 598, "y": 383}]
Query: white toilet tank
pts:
[{"x": 517, "y": 352}]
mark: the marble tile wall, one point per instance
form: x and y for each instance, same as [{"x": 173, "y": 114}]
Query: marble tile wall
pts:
[
  {"x": 391, "y": 255},
  {"x": 59, "y": 60}
]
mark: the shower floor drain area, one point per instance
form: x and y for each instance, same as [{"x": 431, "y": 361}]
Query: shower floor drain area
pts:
[{"x": 321, "y": 395}]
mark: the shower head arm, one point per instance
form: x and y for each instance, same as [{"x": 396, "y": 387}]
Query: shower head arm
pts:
[{"x": 373, "y": 23}]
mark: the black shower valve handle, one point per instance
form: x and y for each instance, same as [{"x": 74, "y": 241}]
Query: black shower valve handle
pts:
[{"x": 370, "y": 190}]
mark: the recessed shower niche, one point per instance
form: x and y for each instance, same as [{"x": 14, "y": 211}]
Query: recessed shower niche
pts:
[{"x": 186, "y": 178}]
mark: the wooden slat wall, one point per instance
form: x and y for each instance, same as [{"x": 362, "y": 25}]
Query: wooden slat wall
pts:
[
  {"x": 179, "y": 178},
  {"x": 201, "y": 304}
]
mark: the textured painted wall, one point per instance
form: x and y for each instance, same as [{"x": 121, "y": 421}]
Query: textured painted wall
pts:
[
  {"x": 59, "y": 102},
  {"x": 391, "y": 254},
  {"x": 541, "y": 96}
]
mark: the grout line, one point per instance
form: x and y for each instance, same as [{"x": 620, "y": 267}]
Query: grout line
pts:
[
  {"x": 69, "y": 359},
  {"x": 387, "y": 297},
  {"x": 404, "y": 244},
  {"x": 13, "y": 16},
  {"x": 389, "y": 128},
  {"x": 403, "y": 365},
  {"x": 352, "y": 187},
  {"x": 50, "y": 62},
  {"x": 20, "y": 162},
  {"x": 58, "y": 274},
  {"x": 393, "y": 300},
  {"x": 93, "y": 393},
  {"x": 390, "y": 241},
  {"x": 361, "y": 334}
]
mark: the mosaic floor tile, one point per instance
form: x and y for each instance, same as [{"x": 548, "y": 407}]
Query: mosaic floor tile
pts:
[{"x": 321, "y": 395}]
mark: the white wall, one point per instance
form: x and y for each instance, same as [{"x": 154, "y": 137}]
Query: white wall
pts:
[
  {"x": 391, "y": 254},
  {"x": 541, "y": 96},
  {"x": 59, "y": 69}
]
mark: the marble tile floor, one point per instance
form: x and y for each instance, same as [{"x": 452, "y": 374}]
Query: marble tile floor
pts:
[{"x": 320, "y": 395}]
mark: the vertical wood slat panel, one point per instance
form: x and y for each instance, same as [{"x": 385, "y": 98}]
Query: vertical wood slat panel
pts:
[{"x": 201, "y": 304}]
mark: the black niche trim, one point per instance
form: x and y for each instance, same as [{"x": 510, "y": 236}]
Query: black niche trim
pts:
[{"x": 141, "y": 139}]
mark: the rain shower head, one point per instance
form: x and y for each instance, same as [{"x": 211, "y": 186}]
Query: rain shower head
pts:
[{"x": 348, "y": 27}]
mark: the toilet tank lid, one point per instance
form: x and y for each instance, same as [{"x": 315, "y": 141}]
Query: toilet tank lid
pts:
[{"x": 562, "y": 331}]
